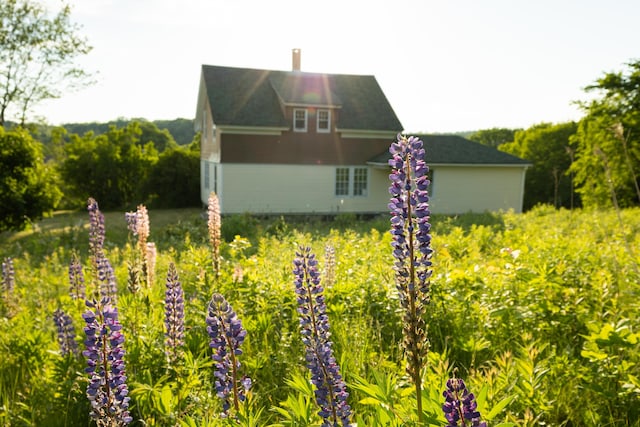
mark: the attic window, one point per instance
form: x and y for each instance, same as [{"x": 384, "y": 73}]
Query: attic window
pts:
[
  {"x": 324, "y": 121},
  {"x": 299, "y": 120}
]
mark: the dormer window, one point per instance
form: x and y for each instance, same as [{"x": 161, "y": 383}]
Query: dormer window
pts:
[
  {"x": 324, "y": 121},
  {"x": 299, "y": 120}
]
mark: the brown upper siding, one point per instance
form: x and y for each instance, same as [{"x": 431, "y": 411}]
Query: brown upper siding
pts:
[{"x": 300, "y": 148}]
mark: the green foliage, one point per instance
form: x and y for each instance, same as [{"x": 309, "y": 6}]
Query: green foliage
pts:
[
  {"x": 548, "y": 147},
  {"x": 608, "y": 141},
  {"x": 493, "y": 137},
  {"x": 538, "y": 312},
  {"x": 28, "y": 186},
  {"x": 111, "y": 168},
  {"x": 37, "y": 54},
  {"x": 174, "y": 181},
  {"x": 180, "y": 130}
]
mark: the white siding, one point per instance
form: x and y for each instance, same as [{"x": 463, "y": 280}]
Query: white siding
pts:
[
  {"x": 460, "y": 189},
  {"x": 286, "y": 189}
]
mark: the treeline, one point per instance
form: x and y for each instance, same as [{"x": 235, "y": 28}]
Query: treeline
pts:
[
  {"x": 121, "y": 167},
  {"x": 594, "y": 162}
]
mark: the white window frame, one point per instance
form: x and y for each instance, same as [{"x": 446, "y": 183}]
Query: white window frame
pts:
[
  {"x": 341, "y": 182},
  {"x": 351, "y": 182},
  {"x": 328, "y": 120},
  {"x": 295, "y": 119},
  {"x": 361, "y": 182}
]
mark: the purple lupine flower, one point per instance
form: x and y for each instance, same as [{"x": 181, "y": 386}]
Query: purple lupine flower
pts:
[
  {"x": 76, "y": 278},
  {"x": 331, "y": 392},
  {"x": 107, "y": 390},
  {"x": 8, "y": 275},
  {"x": 107, "y": 279},
  {"x": 411, "y": 242},
  {"x": 460, "y": 405},
  {"x": 214, "y": 224},
  {"x": 174, "y": 315},
  {"x": 227, "y": 335},
  {"x": 66, "y": 333},
  {"x": 131, "y": 218},
  {"x": 96, "y": 229}
]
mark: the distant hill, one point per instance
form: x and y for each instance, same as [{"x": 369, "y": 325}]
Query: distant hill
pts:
[{"x": 180, "y": 129}]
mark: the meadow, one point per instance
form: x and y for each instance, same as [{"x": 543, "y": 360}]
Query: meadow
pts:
[{"x": 539, "y": 313}]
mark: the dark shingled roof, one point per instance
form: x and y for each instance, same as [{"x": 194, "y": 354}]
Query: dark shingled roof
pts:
[
  {"x": 453, "y": 149},
  {"x": 250, "y": 97}
]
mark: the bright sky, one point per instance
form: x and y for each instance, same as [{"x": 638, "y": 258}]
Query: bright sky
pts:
[{"x": 445, "y": 66}]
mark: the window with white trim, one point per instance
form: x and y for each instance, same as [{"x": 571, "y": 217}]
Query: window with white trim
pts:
[
  {"x": 299, "y": 120},
  {"x": 342, "y": 181},
  {"x": 323, "y": 121},
  {"x": 360, "y": 181},
  {"x": 352, "y": 182}
]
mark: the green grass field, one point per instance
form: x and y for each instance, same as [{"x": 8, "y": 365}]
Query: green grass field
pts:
[{"x": 538, "y": 312}]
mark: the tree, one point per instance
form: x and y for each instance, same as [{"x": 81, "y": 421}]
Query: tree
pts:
[
  {"x": 27, "y": 185},
  {"x": 174, "y": 181},
  {"x": 112, "y": 168},
  {"x": 37, "y": 54},
  {"x": 548, "y": 147},
  {"x": 607, "y": 142},
  {"x": 493, "y": 137}
]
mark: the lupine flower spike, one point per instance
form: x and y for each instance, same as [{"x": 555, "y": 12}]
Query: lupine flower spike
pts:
[
  {"x": 174, "y": 315},
  {"x": 329, "y": 265},
  {"x": 138, "y": 224},
  {"x": 227, "y": 335},
  {"x": 102, "y": 267},
  {"x": 66, "y": 333},
  {"x": 411, "y": 244},
  {"x": 331, "y": 392},
  {"x": 460, "y": 407},
  {"x": 107, "y": 390},
  {"x": 8, "y": 276},
  {"x": 214, "y": 223},
  {"x": 76, "y": 279}
]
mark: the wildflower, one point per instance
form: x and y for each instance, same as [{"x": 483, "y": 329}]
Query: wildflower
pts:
[
  {"x": 238, "y": 274},
  {"x": 150, "y": 256},
  {"x": 8, "y": 276},
  {"x": 214, "y": 224},
  {"x": 329, "y": 265},
  {"x": 96, "y": 230},
  {"x": 411, "y": 244},
  {"x": 174, "y": 314},
  {"x": 76, "y": 278},
  {"x": 66, "y": 333},
  {"x": 227, "y": 335},
  {"x": 107, "y": 279},
  {"x": 460, "y": 405},
  {"x": 107, "y": 390},
  {"x": 331, "y": 393},
  {"x": 138, "y": 224}
]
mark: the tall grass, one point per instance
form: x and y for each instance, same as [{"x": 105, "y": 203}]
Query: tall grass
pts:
[{"x": 538, "y": 312}]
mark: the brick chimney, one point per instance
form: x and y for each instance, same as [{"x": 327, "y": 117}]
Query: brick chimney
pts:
[{"x": 295, "y": 59}]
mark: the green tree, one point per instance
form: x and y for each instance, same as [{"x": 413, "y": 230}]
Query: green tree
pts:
[
  {"x": 27, "y": 185},
  {"x": 493, "y": 137},
  {"x": 547, "y": 146},
  {"x": 174, "y": 181},
  {"x": 112, "y": 167},
  {"x": 608, "y": 141},
  {"x": 37, "y": 55}
]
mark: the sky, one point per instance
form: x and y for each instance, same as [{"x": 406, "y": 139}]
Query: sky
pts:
[{"x": 445, "y": 66}]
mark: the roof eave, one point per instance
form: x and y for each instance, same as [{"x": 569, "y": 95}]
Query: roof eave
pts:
[{"x": 252, "y": 130}]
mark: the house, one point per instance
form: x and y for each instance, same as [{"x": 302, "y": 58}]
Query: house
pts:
[
  {"x": 287, "y": 142},
  {"x": 469, "y": 177},
  {"x": 284, "y": 142}
]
